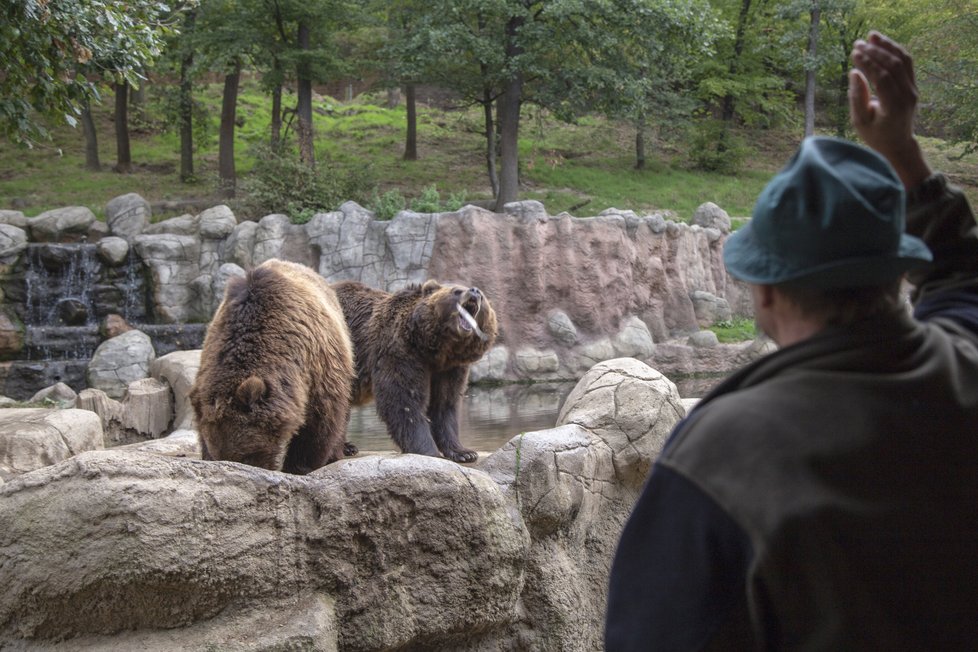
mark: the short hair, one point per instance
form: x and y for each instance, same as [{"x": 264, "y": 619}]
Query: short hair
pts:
[{"x": 842, "y": 306}]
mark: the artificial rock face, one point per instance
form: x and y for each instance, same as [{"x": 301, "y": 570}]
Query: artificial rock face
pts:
[
  {"x": 275, "y": 372},
  {"x": 413, "y": 350}
]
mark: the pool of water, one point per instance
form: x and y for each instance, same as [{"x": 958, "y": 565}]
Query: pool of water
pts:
[{"x": 491, "y": 416}]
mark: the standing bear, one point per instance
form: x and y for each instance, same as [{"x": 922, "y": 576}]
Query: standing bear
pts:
[
  {"x": 273, "y": 389},
  {"x": 413, "y": 351}
]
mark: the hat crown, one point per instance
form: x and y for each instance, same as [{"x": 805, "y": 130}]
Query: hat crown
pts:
[{"x": 835, "y": 205}]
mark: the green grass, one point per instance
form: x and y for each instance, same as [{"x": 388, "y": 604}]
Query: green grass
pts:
[
  {"x": 734, "y": 330},
  {"x": 583, "y": 168}
]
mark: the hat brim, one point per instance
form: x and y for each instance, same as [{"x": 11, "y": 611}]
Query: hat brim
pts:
[{"x": 747, "y": 260}]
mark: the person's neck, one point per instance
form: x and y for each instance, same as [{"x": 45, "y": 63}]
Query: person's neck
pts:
[{"x": 792, "y": 331}]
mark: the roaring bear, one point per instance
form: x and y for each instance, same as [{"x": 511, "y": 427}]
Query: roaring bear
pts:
[
  {"x": 273, "y": 389},
  {"x": 413, "y": 349}
]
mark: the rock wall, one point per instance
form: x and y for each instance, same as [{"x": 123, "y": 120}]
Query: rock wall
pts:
[{"x": 568, "y": 292}]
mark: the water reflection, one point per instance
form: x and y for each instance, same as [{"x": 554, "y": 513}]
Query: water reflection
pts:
[{"x": 491, "y": 416}]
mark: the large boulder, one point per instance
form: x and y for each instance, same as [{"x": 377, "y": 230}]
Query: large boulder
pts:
[
  {"x": 127, "y": 215},
  {"x": 68, "y": 224},
  {"x": 32, "y": 438},
  {"x": 119, "y": 361},
  {"x": 364, "y": 554}
]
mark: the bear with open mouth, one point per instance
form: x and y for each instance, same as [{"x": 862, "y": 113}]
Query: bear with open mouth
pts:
[{"x": 413, "y": 349}]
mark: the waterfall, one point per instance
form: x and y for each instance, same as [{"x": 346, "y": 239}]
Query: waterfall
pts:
[{"x": 60, "y": 313}]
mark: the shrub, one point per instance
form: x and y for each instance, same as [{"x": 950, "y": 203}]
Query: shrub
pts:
[
  {"x": 282, "y": 183},
  {"x": 387, "y": 205},
  {"x": 428, "y": 202},
  {"x": 714, "y": 147}
]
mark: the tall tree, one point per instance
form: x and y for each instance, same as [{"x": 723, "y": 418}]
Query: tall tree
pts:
[
  {"x": 44, "y": 46},
  {"x": 815, "y": 15},
  {"x": 121, "y": 117}
]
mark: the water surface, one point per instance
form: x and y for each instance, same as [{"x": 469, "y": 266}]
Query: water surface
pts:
[{"x": 491, "y": 416}]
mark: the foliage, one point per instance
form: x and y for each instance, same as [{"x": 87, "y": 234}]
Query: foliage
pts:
[
  {"x": 738, "y": 329},
  {"x": 53, "y": 54},
  {"x": 281, "y": 183},
  {"x": 714, "y": 147},
  {"x": 387, "y": 205}
]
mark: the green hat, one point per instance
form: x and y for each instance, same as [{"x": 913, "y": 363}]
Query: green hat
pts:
[{"x": 833, "y": 217}]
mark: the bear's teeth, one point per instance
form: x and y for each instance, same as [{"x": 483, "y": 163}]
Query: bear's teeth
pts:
[{"x": 471, "y": 321}]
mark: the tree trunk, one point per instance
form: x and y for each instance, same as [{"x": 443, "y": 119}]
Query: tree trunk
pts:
[
  {"x": 640, "y": 143},
  {"x": 123, "y": 154},
  {"x": 229, "y": 105},
  {"x": 187, "y": 108},
  {"x": 304, "y": 101},
  {"x": 137, "y": 101},
  {"x": 509, "y": 122},
  {"x": 91, "y": 139},
  {"x": 393, "y": 97},
  {"x": 810, "y": 70},
  {"x": 490, "y": 142},
  {"x": 276, "y": 139},
  {"x": 411, "y": 137},
  {"x": 728, "y": 100}
]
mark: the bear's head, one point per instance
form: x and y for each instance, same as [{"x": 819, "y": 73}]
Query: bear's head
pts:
[
  {"x": 455, "y": 322},
  {"x": 249, "y": 421}
]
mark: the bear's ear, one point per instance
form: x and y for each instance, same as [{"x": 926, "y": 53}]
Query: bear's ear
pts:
[
  {"x": 430, "y": 287},
  {"x": 251, "y": 390}
]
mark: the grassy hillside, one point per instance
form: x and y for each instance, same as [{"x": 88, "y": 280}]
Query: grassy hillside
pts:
[{"x": 584, "y": 168}]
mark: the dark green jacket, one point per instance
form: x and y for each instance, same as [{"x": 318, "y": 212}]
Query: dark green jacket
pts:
[{"x": 826, "y": 496}]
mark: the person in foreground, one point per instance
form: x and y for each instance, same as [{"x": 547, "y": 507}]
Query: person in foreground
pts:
[{"x": 825, "y": 497}]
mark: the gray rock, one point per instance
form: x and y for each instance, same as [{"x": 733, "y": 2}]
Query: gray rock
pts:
[
  {"x": 119, "y": 361},
  {"x": 32, "y": 438},
  {"x": 127, "y": 215},
  {"x": 13, "y": 218},
  {"x": 180, "y": 225},
  {"x": 240, "y": 244},
  {"x": 174, "y": 265},
  {"x": 535, "y": 363},
  {"x": 270, "y": 237},
  {"x": 634, "y": 339},
  {"x": 703, "y": 340},
  {"x": 113, "y": 250},
  {"x": 226, "y": 272},
  {"x": 562, "y": 327},
  {"x": 492, "y": 366},
  {"x": 709, "y": 309},
  {"x": 586, "y": 356},
  {"x": 179, "y": 443},
  {"x": 217, "y": 223},
  {"x": 57, "y": 393},
  {"x": 630, "y": 406},
  {"x": 13, "y": 240},
  {"x": 178, "y": 370},
  {"x": 61, "y": 224},
  {"x": 711, "y": 216}
]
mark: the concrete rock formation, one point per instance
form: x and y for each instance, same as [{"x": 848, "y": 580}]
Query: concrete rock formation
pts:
[{"x": 144, "y": 547}]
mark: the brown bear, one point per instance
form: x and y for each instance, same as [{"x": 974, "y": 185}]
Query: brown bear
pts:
[
  {"x": 273, "y": 389},
  {"x": 413, "y": 350}
]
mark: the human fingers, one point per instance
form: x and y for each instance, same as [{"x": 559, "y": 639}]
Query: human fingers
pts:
[
  {"x": 896, "y": 50},
  {"x": 887, "y": 71},
  {"x": 861, "y": 109}
]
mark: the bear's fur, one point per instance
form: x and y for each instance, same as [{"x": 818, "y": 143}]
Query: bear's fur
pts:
[
  {"x": 413, "y": 350},
  {"x": 273, "y": 389}
]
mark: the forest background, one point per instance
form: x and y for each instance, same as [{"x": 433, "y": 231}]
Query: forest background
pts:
[{"x": 294, "y": 106}]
